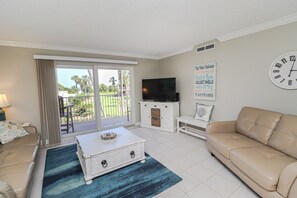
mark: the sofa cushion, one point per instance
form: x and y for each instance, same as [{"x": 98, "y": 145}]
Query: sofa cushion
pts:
[
  {"x": 7, "y": 146},
  {"x": 262, "y": 164},
  {"x": 20, "y": 154},
  {"x": 3, "y": 155},
  {"x": 18, "y": 176},
  {"x": 32, "y": 139},
  {"x": 225, "y": 142},
  {"x": 284, "y": 138},
  {"x": 6, "y": 191},
  {"x": 257, "y": 124}
]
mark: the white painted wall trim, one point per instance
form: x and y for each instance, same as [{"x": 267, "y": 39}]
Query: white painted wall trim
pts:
[
  {"x": 82, "y": 59},
  {"x": 257, "y": 28}
]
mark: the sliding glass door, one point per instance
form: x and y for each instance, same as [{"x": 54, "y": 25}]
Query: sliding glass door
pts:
[
  {"x": 76, "y": 99},
  {"x": 98, "y": 97},
  {"x": 115, "y": 96}
]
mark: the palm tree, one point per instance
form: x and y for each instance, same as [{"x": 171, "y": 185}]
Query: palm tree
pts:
[
  {"x": 75, "y": 78},
  {"x": 113, "y": 82},
  {"x": 85, "y": 84}
]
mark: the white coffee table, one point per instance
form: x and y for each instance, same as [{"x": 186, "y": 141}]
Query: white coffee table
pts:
[{"x": 98, "y": 156}]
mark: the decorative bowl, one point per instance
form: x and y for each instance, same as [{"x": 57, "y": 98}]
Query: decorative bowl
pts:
[{"x": 108, "y": 136}]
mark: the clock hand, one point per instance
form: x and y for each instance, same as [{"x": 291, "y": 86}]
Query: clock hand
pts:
[{"x": 291, "y": 69}]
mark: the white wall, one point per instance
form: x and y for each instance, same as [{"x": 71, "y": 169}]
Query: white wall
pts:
[
  {"x": 242, "y": 76},
  {"x": 18, "y": 79},
  {"x": 242, "y": 73}
]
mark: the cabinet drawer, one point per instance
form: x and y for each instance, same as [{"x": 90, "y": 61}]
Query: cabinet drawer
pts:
[{"x": 106, "y": 161}]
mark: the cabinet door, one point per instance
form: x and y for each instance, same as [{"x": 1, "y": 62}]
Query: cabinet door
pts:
[
  {"x": 145, "y": 110},
  {"x": 167, "y": 116}
]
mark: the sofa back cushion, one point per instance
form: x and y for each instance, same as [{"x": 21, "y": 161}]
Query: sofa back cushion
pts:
[
  {"x": 257, "y": 124},
  {"x": 284, "y": 138}
]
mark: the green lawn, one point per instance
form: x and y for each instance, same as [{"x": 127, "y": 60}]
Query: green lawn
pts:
[{"x": 111, "y": 106}]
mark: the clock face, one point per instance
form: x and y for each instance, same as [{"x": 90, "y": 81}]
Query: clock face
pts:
[{"x": 283, "y": 71}]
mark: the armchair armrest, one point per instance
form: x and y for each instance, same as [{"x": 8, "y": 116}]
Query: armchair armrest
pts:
[
  {"x": 30, "y": 129},
  {"x": 6, "y": 190},
  {"x": 221, "y": 127},
  {"x": 287, "y": 184}
]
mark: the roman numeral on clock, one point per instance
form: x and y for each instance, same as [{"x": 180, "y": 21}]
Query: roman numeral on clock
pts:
[
  {"x": 284, "y": 60},
  {"x": 282, "y": 80},
  {"x": 292, "y": 58},
  {"x": 278, "y": 65}
]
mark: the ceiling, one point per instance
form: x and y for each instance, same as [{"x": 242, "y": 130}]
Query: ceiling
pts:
[{"x": 142, "y": 28}]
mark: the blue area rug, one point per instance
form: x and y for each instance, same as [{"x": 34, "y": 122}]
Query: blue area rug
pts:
[{"x": 63, "y": 177}]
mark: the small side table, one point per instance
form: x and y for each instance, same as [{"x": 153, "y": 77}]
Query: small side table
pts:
[{"x": 191, "y": 126}]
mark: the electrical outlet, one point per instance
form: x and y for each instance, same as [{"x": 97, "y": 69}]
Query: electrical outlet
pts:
[{"x": 46, "y": 141}]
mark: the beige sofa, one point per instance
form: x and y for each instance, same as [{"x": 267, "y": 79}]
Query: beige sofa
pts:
[
  {"x": 17, "y": 160},
  {"x": 261, "y": 148}
]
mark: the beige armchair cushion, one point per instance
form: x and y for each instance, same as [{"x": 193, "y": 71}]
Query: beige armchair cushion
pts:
[
  {"x": 284, "y": 138},
  {"x": 225, "y": 142},
  {"x": 256, "y": 123},
  {"x": 263, "y": 165}
]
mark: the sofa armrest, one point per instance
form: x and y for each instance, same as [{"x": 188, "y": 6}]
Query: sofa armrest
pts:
[
  {"x": 6, "y": 190},
  {"x": 287, "y": 181},
  {"x": 221, "y": 127},
  {"x": 30, "y": 129}
]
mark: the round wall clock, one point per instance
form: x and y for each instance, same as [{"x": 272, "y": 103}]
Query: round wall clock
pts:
[{"x": 283, "y": 71}]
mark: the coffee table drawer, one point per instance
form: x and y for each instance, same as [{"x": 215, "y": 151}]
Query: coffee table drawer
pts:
[{"x": 112, "y": 159}]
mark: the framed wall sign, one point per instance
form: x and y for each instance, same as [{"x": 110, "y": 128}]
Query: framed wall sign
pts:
[{"x": 205, "y": 81}]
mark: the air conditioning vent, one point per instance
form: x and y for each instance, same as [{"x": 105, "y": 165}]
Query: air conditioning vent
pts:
[
  {"x": 200, "y": 49},
  {"x": 209, "y": 46},
  {"x": 204, "y": 48}
]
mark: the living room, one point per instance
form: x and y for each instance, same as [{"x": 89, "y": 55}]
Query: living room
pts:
[{"x": 244, "y": 50}]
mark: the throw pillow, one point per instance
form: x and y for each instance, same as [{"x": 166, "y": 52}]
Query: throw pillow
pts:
[
  {"x": 9, "y": 130},
  {"x": 203, "y": 112}
]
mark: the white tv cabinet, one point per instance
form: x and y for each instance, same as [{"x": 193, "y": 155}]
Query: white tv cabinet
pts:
[{"x": 159, "y": 115}]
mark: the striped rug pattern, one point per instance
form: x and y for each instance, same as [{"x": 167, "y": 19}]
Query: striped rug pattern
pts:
[{"x": 63, "y": 177}]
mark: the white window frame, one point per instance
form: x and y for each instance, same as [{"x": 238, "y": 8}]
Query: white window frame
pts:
[{"x": 132, "y": 87}]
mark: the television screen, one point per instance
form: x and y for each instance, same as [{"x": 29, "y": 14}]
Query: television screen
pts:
[{"x": 161, "y": 89}]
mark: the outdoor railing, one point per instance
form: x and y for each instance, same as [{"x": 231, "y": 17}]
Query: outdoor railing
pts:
[{"x": 112, "y": 105}]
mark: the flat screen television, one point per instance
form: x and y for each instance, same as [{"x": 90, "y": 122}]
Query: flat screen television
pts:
[{"x": 160, "y": 89}]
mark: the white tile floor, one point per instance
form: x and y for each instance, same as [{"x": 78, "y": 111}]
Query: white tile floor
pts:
[{"x": 188, "y": 157}]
